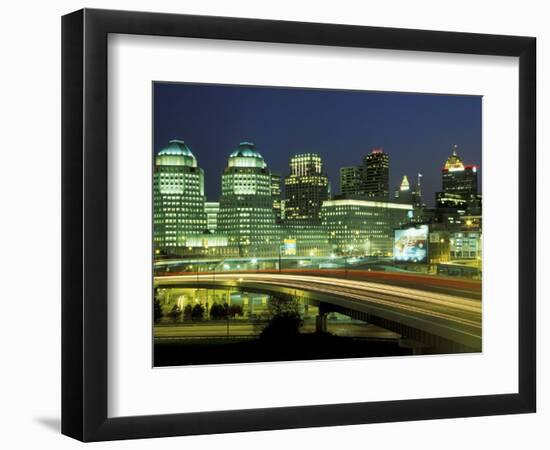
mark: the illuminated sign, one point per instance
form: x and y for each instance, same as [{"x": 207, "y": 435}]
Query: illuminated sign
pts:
[
  {"x": 411, "y": 245},
  {"x": 289, "y": 247}
]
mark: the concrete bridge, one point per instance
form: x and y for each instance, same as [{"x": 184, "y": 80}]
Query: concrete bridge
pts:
[{"x": 428, "y": 321}]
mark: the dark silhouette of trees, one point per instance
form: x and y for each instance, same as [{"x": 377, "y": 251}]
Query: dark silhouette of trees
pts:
[
  {"x": 285, "y": 321},
  {"x": 197, "y": 313},
  {"x": 175, "y": 313},
  {"x": 187, "y": 312},
  {"x": 218, "y": 311},
  {"x": 157, "y": 310},
  {"x": 235, "y": 310}
]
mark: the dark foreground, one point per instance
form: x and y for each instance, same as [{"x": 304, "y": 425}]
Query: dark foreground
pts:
[{"x": 301, "y": 347}]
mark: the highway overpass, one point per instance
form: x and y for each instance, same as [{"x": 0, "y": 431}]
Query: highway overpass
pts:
[{"x": 436, "y": 321}]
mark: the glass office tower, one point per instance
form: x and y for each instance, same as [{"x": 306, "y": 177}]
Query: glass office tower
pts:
[
  {"x": 246, "y": 212},
  {"x": 377, "y": 174},
  {"x": 306, "y": 187},
  {"x": 178, "y": 198},
  {"x": 458, "y": 178}
]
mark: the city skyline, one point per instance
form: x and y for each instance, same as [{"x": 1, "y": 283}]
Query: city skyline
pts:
[
  {"x": 257, "y": 258},
  {"x": 191, "y": 112}
]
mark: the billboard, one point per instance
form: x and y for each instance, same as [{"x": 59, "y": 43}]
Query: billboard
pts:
[
  {"x": 289, "y": 247},
  {"x": 411, "y": 245}
]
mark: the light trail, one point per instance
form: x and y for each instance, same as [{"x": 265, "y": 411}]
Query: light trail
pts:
[
  {"x": 395, "y": 297},
  {"x": 445, "y": 300},
  {"x": 389, "y": 303}
]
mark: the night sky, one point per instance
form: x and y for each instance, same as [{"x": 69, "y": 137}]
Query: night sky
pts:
[{"x": 416, "y": 130}]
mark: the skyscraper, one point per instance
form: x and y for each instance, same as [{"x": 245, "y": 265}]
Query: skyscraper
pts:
[
  {"x": 178, "y": 198},
  {"x": 404, "y": 193},
  {"x": 458, "y": 178},
  {"x": 276, "y": 196},
  {"x": 417, "y": 193},
  {"x": 246, "y": 213},
  {"x": 377, "y": 174},
  {"x": 306, "y": 187},
  {"x": 352, "y": 181}
]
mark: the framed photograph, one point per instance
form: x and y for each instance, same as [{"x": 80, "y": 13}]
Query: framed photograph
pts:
[{"x": 273, "y": 224}]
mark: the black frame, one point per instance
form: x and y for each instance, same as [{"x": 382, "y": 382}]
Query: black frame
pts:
[{"x": 84, "y": 224}]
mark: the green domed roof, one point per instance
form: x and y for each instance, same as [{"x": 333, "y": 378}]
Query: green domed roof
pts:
[
  {"x": 176, "y": 147},
  {"x": 245, "y": 149},
  {"x": 246, "y": 155},
  {"x": 176, "y": 153}
]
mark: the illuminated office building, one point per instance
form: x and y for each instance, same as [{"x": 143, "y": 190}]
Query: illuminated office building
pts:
[
  {"x": 404, "y": 192},
  {"x": 246, "y": 213},
  {"x": 352, "y": 181},
  {"x": 310, "y": 240},
  {"x": 178, "y": 198},
  {"x": 458, "y": 178},
  {"x": 459, "y": 186},
  {"x": 466, "y": 245},
  {"x": 306, "y": 187},
  {"x": 371, "y": 179},
  {"x": 377, "y": 174},
  {"x": 212, "y": 209},
  {"x": 276, "y": 196},
  {"x": 467, "y": 242},
  {"x": 418, "y": 190},
  {"x": 363, "y": 227},
  {"x": 283, "y": 205},
  {"x": 411, "y": 194},
  {"x": 450, "y": 201}
]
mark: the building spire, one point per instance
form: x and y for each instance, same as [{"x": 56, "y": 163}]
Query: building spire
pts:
[
  {"x": 454, "y": 162},
  {"x": 404, "y": 184}
]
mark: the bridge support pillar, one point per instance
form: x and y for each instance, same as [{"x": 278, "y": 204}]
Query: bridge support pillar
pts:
[
  {"x": 321, "y": 323},
  {"x": 416, "y": 346},
  {"x": 248, "y": 303}
]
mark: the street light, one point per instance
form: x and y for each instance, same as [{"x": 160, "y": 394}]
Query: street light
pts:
[
  {"x": 350, "y": 249},
  {"x": 346, "y": 265},
  {"x": 214, "y": 283},
  {"x": 227, "y": 313}
]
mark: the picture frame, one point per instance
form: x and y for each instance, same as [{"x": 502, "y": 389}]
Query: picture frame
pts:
[{"x": 85, "y": 237}]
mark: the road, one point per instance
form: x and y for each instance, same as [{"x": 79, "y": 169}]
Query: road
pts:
[
  {"x": 220, "y": 329},
  {"x": 449, "y": 316}
]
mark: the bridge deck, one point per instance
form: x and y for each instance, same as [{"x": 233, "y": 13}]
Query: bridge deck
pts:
[{"x": 450, "y": 317}]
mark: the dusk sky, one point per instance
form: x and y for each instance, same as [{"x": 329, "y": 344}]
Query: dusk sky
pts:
[{"x": 416, "y": 130}]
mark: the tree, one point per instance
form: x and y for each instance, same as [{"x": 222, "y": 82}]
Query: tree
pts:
[
  {"x": 235, "y": 310},
  {"x": 218, "y": 311},
  {"x": 197, "y": 312},
  {"x": 157, "y": 310},
  {"x": 283, "y": 326},
  {"x": 286, "y": 319},
  {"x": 187, "y": 312},
  {"x": 175, "y": 313},
  {"x": 283, "y": 306}
]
